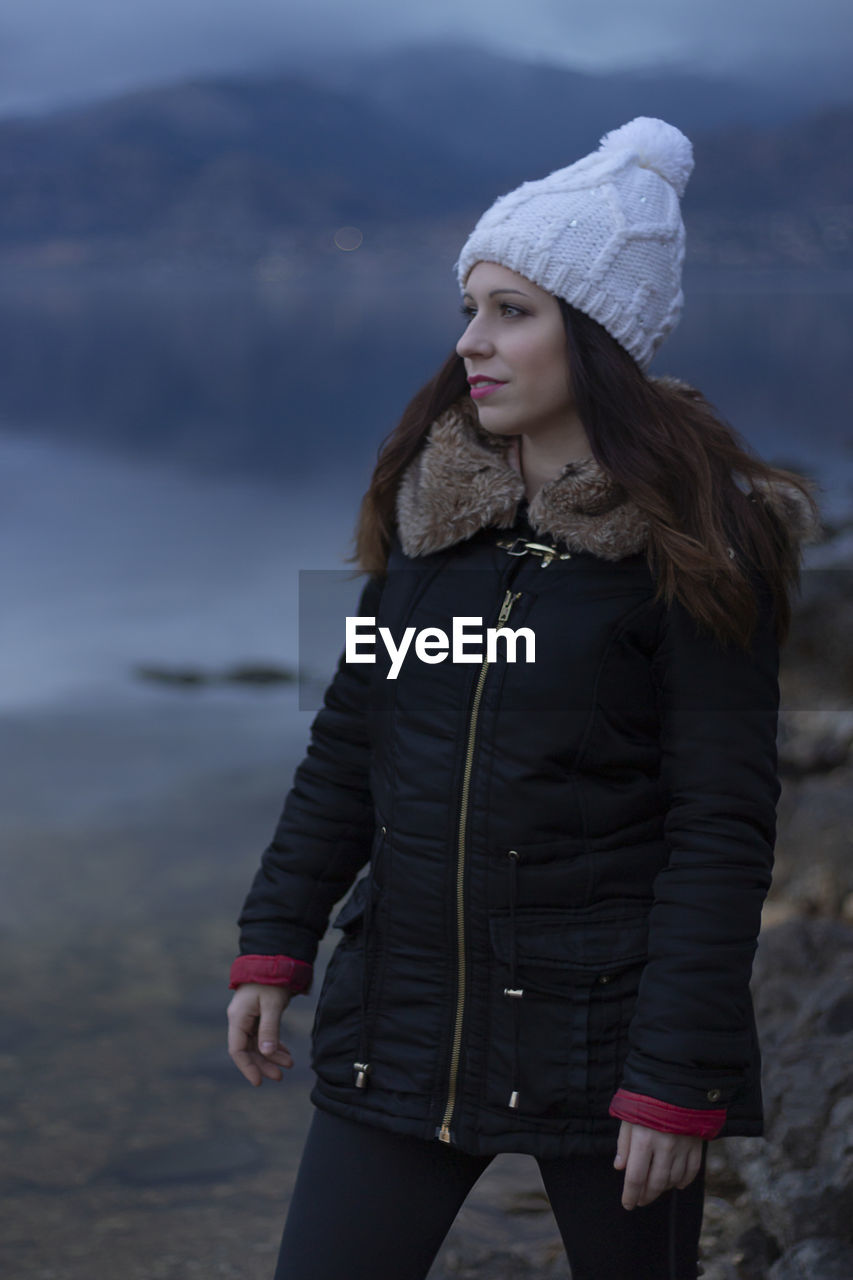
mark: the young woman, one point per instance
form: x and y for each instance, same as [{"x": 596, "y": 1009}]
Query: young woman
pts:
[{"x": 568, "y": 832}]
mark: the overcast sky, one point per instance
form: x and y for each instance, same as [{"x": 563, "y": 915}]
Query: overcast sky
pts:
[{"x": 54, "y": 52}]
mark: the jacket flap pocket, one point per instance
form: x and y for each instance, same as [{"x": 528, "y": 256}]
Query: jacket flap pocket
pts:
[
  {"x": 350, "y": 914},
  {"x": 589, "y": 939}
]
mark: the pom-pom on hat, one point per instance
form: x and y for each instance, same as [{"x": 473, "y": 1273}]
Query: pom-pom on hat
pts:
[{"x": 605, "y": 233}]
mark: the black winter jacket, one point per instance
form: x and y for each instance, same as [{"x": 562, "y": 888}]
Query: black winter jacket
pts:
[{"x": 566, "y": 859}]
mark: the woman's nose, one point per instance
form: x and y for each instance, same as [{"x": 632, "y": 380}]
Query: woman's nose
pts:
[{"x": 473, "y": 342}]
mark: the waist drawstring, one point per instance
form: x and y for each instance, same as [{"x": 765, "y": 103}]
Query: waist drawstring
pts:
[
  {"x": 362, "y": 1068},
  {"x": 513, "y": 991}
]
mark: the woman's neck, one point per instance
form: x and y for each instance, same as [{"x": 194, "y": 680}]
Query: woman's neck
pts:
[{"x": 538, "y": 465}]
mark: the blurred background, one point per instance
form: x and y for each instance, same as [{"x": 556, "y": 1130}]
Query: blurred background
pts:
[{"x": 226, "y": 246}]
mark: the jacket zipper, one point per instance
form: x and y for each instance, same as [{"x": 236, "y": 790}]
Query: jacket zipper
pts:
[{"x": 444, "y": 1133}]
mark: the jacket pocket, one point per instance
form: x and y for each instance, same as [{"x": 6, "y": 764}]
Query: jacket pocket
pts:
[
  {"x": 340, "y": 1021},
  {"x": 351, "y": 915},
  {"x": 334, "y": 1035},
  {"x": 577, "y": 972}
]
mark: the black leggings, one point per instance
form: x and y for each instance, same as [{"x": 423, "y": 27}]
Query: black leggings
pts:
[{"x": 374, "y": 1205}]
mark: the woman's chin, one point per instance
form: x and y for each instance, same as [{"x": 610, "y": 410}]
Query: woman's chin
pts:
[{"x": 496, "y": 422}]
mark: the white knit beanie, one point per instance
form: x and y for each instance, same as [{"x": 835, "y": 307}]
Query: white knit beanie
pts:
[{"x": 605, "y": 233}]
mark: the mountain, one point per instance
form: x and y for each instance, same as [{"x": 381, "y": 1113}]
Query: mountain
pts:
[
  {"x": 400, "y": 146},
  {"x": 801, "y": 165},
  {"x": 531, "y": 117},
  {"x": 220, "y": 158}
]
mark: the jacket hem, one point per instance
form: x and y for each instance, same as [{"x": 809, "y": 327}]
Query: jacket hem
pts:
[{"x": 598, "y": 1137}]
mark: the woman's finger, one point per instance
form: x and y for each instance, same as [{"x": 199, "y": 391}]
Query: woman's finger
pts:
[
  {"x": 239, "y": 1044},
  {"x": 265, "y": 1069},
  {"x": 268, "y": 1043},
  {"x": 623, "y": 1145},
  {"x": 273, "y": 1001},
  {"x": 657, "y": 1178},
  {"x": 671, "y": 1169},
  {"x": 636, "y": 1173},
  {"x": 693, "y": 1165},
  {"x": 678, "y": 1168},
  {"x": 280, "y": 1056},
  {"x": 242, "y": 1060}
]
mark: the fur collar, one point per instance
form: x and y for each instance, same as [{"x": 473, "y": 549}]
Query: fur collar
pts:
[{"x": 465, "y": 479}]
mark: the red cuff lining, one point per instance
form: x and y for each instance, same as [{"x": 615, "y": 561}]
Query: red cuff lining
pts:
[
  {"x": 273, "y": 971},
  {"x": 638, "y": 1108}
]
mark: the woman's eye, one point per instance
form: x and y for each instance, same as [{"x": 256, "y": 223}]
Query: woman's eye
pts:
[{"x": 504, "y": 306}]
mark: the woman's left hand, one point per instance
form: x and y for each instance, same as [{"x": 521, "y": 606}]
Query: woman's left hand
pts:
[{"x": 654, "y": 1161}]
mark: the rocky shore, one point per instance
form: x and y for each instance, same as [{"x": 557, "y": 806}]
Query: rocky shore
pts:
[{"x": 129, "y": 1144}]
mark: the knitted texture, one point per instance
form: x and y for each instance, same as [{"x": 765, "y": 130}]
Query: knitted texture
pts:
[{"x": 604, "y": 233}]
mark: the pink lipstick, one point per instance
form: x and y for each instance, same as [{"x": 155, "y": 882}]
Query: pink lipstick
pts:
[{"x": 481, "y": 389}]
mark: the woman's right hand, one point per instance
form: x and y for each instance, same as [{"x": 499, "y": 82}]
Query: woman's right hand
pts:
[{"x": 254, "y": 1021}]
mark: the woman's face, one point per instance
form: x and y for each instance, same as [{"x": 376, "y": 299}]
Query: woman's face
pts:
[{"x": 516, "y": 335}]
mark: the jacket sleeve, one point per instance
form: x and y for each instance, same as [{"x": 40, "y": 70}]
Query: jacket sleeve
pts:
[
  {"x": 323, "y": 836},
  {"x": 690, "y": 1039}
]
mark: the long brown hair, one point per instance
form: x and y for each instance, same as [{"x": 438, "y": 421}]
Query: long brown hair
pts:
[{"x": 700, "y": 485}]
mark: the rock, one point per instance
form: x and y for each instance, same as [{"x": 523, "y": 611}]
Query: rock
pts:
[
  {"x": 814, "y": 741},
  {"x": 814, "y": 1259},
  {"x": 814, "y": 851},
  {"x": 260, "y": 673},
  {"x": 800, "y": 1175},
  {"x": 777, "y": 911},
  {"x": 817, "y": 658},
  {"x": 185, "y": 677},
  {"x": 251, "y": 673},
  {"x": 753, "y": 1254}
]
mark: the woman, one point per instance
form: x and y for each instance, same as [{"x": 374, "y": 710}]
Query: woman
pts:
[{"x": 568, "y": 838}]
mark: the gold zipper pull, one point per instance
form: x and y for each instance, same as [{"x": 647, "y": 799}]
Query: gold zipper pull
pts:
[{"x": 509, "y": 600}]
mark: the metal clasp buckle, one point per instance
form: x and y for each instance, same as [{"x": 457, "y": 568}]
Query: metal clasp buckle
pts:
[{"x": 520, "y": 547}]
